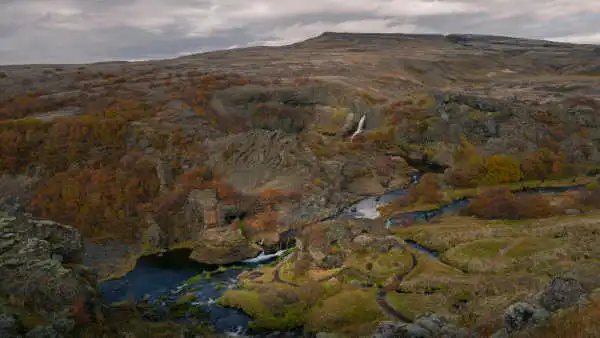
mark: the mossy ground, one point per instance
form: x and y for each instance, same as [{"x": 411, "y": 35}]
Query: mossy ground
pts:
[
  {"x": 488, "y": 264},
  {"x": 485, "y": 266}
]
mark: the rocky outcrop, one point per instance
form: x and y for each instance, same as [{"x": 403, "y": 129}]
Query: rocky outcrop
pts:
[
  {"x": 327, "y": 244},
  {"x": 428, "y": 325},
  {"x": 562, "y": 292},
  {"x": 41, "y": 271},
  {"x": 223, "y": 246}
]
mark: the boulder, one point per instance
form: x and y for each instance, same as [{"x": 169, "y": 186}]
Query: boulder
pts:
[
  {"x": 400, "y": 330},
  {"x": 562, "y": 292},
  {"x": 40, "y": 269},
  {"x": 223, "y": 246},
  {"x": 522, "y": 315}
]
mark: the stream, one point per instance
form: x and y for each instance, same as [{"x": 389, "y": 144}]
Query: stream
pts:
[{"x": 161, "y": 280}]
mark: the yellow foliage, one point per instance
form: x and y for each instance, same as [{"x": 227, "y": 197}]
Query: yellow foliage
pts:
[{"x": 501, "y": 169}]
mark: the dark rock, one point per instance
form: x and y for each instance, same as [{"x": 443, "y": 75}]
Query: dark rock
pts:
[
  {"x": 332, "y": 261},
  {"x": 223, "y": 246},
  {"x": 8, "y": 326},
  {"x": 522, "y": 315},
  {"x": 43, "y": 332},
  {"x": 561, "y": 293},
  {"x": 31, "y": 274}
]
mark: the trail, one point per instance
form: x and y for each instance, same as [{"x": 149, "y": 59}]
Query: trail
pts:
[{"x": 381, "y": 295}]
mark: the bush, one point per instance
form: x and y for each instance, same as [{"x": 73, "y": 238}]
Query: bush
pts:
[
  {"x": 460, "y": 178},
  {"x": 501, "y": 203},
  {"x": 501, "y": 169},
  {"x": 428, "y": 190},
  {"x": 542, "y": 165}
]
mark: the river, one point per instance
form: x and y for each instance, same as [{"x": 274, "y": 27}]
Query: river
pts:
[{"x": 161, "y": 280}]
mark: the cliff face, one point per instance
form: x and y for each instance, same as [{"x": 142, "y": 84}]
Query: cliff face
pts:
[{"x": 41, "y": 276}]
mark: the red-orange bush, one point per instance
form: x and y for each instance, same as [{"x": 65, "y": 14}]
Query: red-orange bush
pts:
[
  {"x": 264, "y": 221},
  {"x": 428, "y": 189},
  {"x": 501, "y": 203},
  {"x": 460, "y": 178}
]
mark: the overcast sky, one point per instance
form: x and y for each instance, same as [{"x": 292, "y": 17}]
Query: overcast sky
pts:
[{"x": 73, "y": 31}]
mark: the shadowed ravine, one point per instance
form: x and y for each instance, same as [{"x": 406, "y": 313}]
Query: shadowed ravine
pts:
[{"x": 162, "y": 280}]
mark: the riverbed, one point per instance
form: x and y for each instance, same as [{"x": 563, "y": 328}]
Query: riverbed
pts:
[{"x": 162, "y": 280}]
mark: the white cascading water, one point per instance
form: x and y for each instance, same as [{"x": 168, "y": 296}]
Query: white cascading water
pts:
[
  {"x": 263, "y": 257},
  {"x": 360, "y": 128}
]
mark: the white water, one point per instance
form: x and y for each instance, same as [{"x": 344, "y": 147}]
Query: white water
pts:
[
  {"x": 262, "y": 257},
  {"x": 361, "y": 126}
]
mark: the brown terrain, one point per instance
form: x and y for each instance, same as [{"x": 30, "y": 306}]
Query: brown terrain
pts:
[{"x": 222, "y": 153}]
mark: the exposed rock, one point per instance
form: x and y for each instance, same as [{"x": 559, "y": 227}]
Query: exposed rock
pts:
[
  {"x": 400, "y": 330},
  {"x": 522, "y": 315},
  {"x": 9, "y": 326},
  {"x": 366, "y": 186},
  {"x": 33, "y": 277},
  {"x": 561, "y": 293},
  {"x": 572, "y": 212},
  {"x": 439, "y": 326},
  {"x": 223, "y": 246}
]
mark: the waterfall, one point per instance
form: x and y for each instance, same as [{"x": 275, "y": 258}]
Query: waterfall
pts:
[
  {"x": 263, "y": 257},
  {"x": 360, "y": 128}
]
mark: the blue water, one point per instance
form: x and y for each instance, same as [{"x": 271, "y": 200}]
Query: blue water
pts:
[
  {"x": 162, "y": 279},
  {"x": 461, "y": 204}
]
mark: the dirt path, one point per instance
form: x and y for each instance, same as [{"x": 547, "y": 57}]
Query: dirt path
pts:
[
  {"x": 504, "y": 250},
  {"x": 277, "y": 279},
  {"x": 381, "y": 295}
]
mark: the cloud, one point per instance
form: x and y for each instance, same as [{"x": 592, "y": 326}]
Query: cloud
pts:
[
  {"x": 587, "y": 38},
  {"x": 63, "y": 31}
]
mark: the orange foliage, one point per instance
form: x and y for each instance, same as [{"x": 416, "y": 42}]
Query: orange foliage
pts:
[
  {"x": 26, "y": 105},
  {"x": 272, "y": 196},
  {"x": 460, "y": 178},
  {"x": 501, "y": 203},
  {"x": 98, "y": 201},
  {"x": 428, "y": 189},
  {"x": 542, "y": 165},
  {"x": 99, "y": 137},
  {"x": 264, "y": 221}
]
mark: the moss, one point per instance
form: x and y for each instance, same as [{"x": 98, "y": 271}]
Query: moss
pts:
[
  {"x": 352, "y": 312},
  {"x": 413, "y": 305},
  {"x": 266, "y": 308},
  {"x": 479, "y": 255},
  {"x": 529, "y": 246}
]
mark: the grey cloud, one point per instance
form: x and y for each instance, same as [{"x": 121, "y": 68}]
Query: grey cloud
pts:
[{"x": 65, "y": 31}]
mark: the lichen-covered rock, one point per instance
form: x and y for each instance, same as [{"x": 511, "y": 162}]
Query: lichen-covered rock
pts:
[
  {"x": 522, "y": 315},
  {"x": 40, "y": 269},
  {"x": 562, "y": 292},
  {"x": 223, "y": 246},
  {"x": 400, "y": 330},
  {"x": 9, "y": 326}
]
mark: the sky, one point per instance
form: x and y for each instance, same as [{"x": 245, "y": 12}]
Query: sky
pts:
[{"x": 79, "y": 31}]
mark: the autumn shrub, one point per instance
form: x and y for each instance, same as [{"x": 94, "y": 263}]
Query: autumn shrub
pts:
[
  {"x": 501, "y": 203},
  {"x": 98, "y": 201},
  {"x": 428, "y": 189},
  {"x": 501, "y": 169},
  {"x": 543, "y": 164},
  {"x": 459, "y": 178},
  {"x": 98, "y": 137},
  {"x": 264, "y": 222}
]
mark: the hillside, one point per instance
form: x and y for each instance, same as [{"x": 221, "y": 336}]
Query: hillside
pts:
[{"x": 144, "y": 157}]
